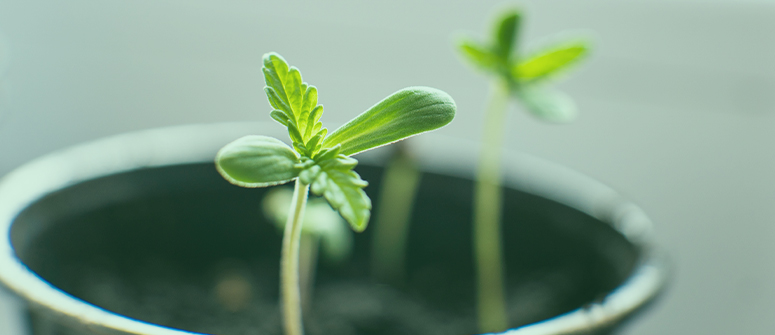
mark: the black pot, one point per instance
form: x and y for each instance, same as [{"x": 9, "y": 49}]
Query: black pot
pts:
[{"x": 138, "y": 234}]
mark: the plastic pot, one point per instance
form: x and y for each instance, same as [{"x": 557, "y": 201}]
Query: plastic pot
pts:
[{"x": 138, "y": 234}]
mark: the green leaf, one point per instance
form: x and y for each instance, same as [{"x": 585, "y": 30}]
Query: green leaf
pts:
[
  {"x": 295, "y": 102},
  {"x": 280, "y": 117},
  {"x": 506, "y": 32},
  {"x": 551, "y": 106},
  {"x": 408, "y": 112},
  {"x": 550, "y": 61},
  {"x": 345, "y": 194},
  {"x": 327, "y": 153},
  {"x": 478, "y": 55},
  {"x": 343, "y": 189},
  {"x": 276, "y": 77},
  {"x": 312, "y": 121},
  {"x": 310, "y": 103},
  {"x": 295, "y": 91},
  {"x": 257, "y": 161}
]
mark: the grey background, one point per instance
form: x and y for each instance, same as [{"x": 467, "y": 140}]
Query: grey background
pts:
[{"x": 677, "y": 104}]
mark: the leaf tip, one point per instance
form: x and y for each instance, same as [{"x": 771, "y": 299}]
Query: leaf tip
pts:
[
  {"x": 271, "y": 56},
  {"x": 443, "y": 102},
  {"x": 361, "y": 224}
]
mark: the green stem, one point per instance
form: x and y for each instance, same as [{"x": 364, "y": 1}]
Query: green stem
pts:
[
  {"x": 289, "y": 264},
  {"x": 491, "y": 304},
  {"x": 399, "y": 189}
]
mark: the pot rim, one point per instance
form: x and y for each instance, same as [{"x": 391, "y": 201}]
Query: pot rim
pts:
[{"x": 199, "y": 143}]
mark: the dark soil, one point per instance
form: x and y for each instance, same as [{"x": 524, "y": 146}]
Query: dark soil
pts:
[{"x": 180, "y": 247}]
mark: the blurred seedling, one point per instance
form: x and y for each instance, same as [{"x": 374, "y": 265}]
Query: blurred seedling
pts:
[
  {"x": 398, "y": 190},
  {"x": 523, "y": 77},
  {"x": 321, "y": 162}
]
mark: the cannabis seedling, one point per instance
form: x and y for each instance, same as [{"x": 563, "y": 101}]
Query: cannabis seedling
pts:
[
  {"x": 524, "y": 79},
  {"x": 319, "y": 161}
]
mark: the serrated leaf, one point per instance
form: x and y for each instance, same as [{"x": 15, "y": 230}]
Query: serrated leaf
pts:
[
  {"x": 551, "y": 106},
  {"x": 257, "y": 161},
  {"x": 306, "y": 119},
  {"x": 315, "y": 114},
  {"x": 301, "y": 149},
  {"x": 505, "y": 33},
  {"x": 328, "y": 153},
  {"x": 312, "y": 120},
  {"x": 275, "y": 74},
  {"x": 289, "y": 94},
  {"x": 550, "y": 61},
  {"x": 294, "y": 133},
  {"x": 406, "y": 113},
  {"x": 277, "y": 102},
  {"x": 294, "y": 90},
  {"x": 479, "y": 56},
  {"x": 319, "y": 128},
  {"x": 280, "y": 117},
  {"x": 310, "y": 98},
  {"x": 314, "y": 141},
  {"x": 343, "y": 189},
  {"x": 340, "y": 162}
]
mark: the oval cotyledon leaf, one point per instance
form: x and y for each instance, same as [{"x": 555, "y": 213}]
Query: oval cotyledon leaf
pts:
[
  {"x": 257, "y": 161},
  {"x": 406, "y": 113}
]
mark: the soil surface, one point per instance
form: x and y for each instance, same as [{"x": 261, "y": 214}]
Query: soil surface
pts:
[{"x": 239, "y": 302}]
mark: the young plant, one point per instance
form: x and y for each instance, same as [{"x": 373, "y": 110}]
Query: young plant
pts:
[
  {"x": 319, "y": 161},
  {"x": 524, "y": 78}
]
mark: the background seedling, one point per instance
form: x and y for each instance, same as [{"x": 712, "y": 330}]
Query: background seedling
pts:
[
  {"x": 524, "y": 78},
  {"x": 397, "y": 192},
  {"x": 320, "y": 162}
]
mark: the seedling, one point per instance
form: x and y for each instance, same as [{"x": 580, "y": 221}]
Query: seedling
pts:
[
  {"x": 523, "y": 78},
  {"x": 321, "y": 162}
]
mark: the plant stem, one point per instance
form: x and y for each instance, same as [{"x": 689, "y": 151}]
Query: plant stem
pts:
[
  {"x": 491, "y": 304},
  {"x": 399, "y": 189},
  {"x": 289, "y": 264}
]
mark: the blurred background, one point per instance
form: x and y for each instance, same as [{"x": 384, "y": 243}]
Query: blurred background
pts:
[{"x": 677, "y": 104}]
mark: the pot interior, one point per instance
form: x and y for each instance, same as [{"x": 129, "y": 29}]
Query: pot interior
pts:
[{"x": 180, "y": 247}]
